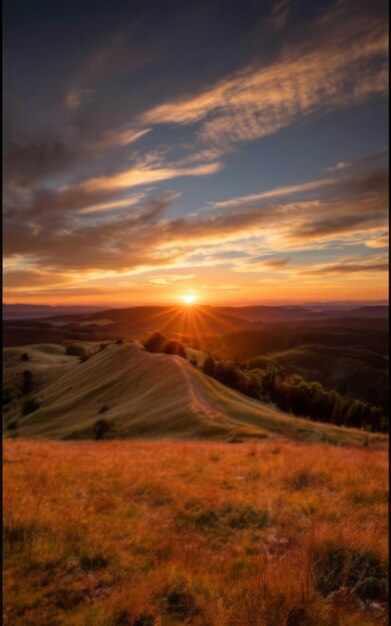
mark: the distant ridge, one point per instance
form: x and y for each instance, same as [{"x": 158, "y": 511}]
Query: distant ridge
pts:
[{"x": 30, "y": 311}]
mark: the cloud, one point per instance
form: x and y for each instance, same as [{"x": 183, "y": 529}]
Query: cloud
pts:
[
  {"x": 380, "y": 242},
  {"x": 114, "y": 204},
  {"x": 307, "y": 79},
  {"x": 144, "y": 175},
  {"x": 64, "y": 245},
  {"x": 76, "y": 230},
  {"x": 31, "y": 158},
  {"x": 278, "y": 192},
  {"x": 117, "y": 138},
  {"x": 350, "y": 266},
  {"x": 18, "y": 279},
  {"x": 170, "y": 278},
  {"x": 279, "y": 14},
  {"x": 367, "y": 160},
  {"x": 276, "y": 264},
  {"x": 77, "y": 98}
]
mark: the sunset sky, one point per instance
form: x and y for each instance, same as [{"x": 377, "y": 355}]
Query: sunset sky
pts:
[{"x": 234, "y": 151}]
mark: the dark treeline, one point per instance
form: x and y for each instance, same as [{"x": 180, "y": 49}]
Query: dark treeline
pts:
[
  {"x": 295, "y": 395},
  {"x": 290, "y": 393}
]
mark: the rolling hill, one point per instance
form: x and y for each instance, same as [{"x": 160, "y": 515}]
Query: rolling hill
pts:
[
  {"x": 145, "y": 395},
  {"x": 132, "y": 323}
]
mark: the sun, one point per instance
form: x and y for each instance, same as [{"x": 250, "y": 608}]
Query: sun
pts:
[{"x": 188, "y": 298}]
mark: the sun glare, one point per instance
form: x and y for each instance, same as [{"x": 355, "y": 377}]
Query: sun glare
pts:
[{"x": 188, "y": 299}]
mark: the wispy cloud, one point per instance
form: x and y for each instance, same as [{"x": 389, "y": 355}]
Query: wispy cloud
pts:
[
  {"x": 117, "y": 138},
  {"x": 114, "y": 204},
  {"x": 144, "y": 175},
  {"x": 306, "y": 80},
  {"x": 350, "y": 266},
  {"x": 277, "y": 264},
  {"x": 278, "y": 192}
]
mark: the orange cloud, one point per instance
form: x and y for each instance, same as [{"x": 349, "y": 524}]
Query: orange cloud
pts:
[
  {"x": 258, "y": 101},
  {"x": 144, "y": 174}
]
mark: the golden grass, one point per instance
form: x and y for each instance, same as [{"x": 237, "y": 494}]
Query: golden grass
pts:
[{"x": 169, "y": 533}]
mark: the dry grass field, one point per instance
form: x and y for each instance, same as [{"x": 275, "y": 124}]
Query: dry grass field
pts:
[{"x": 118, "y": 533}]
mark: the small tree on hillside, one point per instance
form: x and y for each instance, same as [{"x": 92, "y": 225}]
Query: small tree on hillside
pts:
[
  {"x": 27, "y": 386},
  {"x": 155, "y": 343},
  {"x": 209, "y": 366},
  {"x": 101, "y": 428},
  {"x": 175, "y": 347}
]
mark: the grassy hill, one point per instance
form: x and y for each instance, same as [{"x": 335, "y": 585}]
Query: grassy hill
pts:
[{"x": 145, "y": 395}]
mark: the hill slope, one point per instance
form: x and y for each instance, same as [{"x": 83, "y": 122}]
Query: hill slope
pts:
[{"x": 147, "y": 395}]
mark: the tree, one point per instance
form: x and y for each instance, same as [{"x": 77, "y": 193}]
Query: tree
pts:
[
  {"x": 27, "y": 386},
  {"x": 209, "y": 366},
  {"x": 156, "y": 342},
  {"x": 175, "y": 347},
  {"x": 353, "y": 416},
  {"x": 101, "y": 428}
]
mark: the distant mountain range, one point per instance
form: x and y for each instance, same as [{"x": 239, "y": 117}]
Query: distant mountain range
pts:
[
  {"x": 251, "y": 313},
  {"x": 30, "y": 311}
]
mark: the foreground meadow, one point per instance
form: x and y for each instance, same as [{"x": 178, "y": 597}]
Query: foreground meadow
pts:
[{"x": 210, "y": 534}]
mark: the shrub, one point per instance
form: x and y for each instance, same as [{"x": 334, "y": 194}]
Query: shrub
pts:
[
  {"x": 75, "y": 349},
  {"x": 101, "y": 428},
  {"x": 122, "y": 618},
  {"x": 206, "y": 519},
  {"x": 298, "y": 616},
  {"x": 155, "y": 343},
  {"x": 175, "y": 347},
  {"x": 29, "y": 407},
  {"x": 363, "y": 572},
  {"x": 7, "y": 398},
  {"x": 247, "y": 517},
  {"x": 92, "y": 562},
  {"x": 303, "y": 479},
  {"x": 27, "y": 386},
  {"x": 145, "y": 619},
  {"x": 209, "y": 366}
]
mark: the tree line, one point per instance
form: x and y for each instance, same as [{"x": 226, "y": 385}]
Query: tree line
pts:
[{"x": 293, "y": 394}]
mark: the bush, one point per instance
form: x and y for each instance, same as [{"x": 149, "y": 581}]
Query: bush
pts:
[
  {"x": 363, "y": 572},
  {"x": 101, "y": 428},
  {"x": 175, "y": 347},
  {"x": 29, "y": 407},
  {"x": 247, "y": 517},
  {"x": 145, "y": 619},
  {"x": 209, "y": 366},
  {"x": 155, "y": 343},
  {"x": 92, "y": 562},
  {"x": 75, "y": 349},
  {"x": 27, "y": 386},
  {"x": 7, "y": 398}
]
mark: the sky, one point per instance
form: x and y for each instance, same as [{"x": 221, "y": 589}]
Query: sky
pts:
[{"x": 234, "y": 152}]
